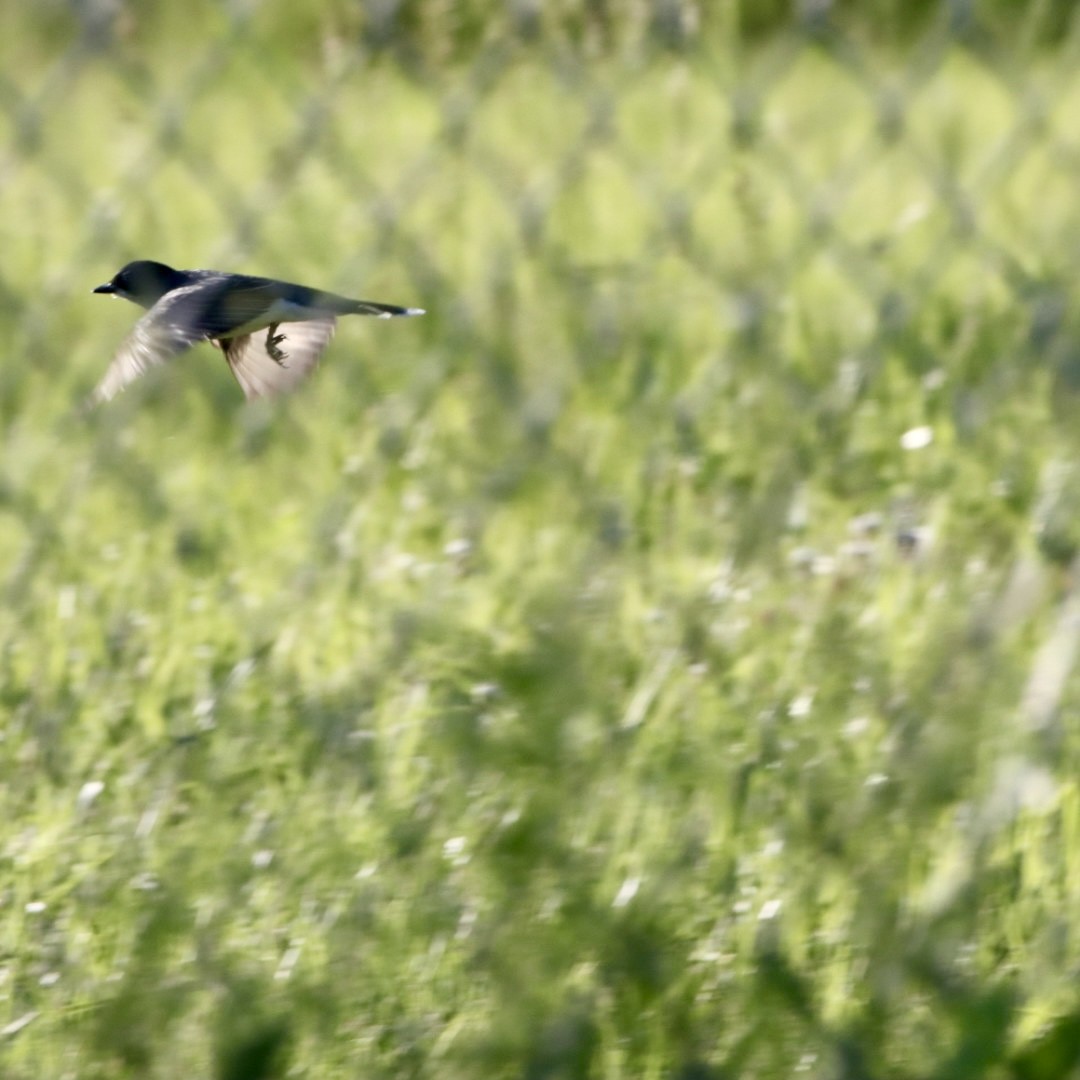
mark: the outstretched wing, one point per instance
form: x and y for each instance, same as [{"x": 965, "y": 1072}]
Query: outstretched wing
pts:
[
  {"x": 259, "y": 374},
  {"x": 236, "y": 312},
  {"x": 170, "y": 327}
]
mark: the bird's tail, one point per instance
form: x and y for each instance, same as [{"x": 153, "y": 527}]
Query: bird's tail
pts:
[{"x": 381, "y": 311}]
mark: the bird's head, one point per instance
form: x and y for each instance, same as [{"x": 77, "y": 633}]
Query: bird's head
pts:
[{"x": 143, "y": 282}]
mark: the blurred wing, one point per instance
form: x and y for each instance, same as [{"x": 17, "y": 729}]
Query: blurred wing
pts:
[
  {"x": 233, "y": 304},
  {"x": 165, "y": 331},
  {"x": 260, "y": 375}
]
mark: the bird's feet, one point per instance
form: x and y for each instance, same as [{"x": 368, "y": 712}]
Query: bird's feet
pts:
[{"x": 272, "y": 342}]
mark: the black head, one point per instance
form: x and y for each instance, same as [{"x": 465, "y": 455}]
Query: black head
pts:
[{"x": 143, "y": 282}]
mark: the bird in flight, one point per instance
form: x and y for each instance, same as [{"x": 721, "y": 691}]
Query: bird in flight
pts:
[{"x": 272, "y": 332}]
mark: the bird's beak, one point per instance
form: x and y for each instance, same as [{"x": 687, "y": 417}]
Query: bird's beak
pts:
[{"x": 107, "y": 288}]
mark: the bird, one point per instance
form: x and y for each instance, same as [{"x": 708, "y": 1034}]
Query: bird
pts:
[{"x": 271, "y": 332}]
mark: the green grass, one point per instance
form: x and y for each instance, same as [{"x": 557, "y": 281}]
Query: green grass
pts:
[{"x": 582, "y": 680}]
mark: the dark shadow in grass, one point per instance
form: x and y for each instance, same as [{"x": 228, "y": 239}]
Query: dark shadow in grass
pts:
[
  {"x": 564, "y": 1048},
  {"x": 1054, "y": 1053},
  {"x": 250, "y": 1050}
]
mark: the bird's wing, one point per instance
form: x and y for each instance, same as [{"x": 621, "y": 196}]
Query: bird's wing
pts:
[
  {"x": 250, "y": 299},
  {"x": 237, "y": 305},
  {"x": 171, "y": 326},
  {"x": 259, "y": 374}
]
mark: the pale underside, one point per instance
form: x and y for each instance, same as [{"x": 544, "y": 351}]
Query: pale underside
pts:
[
  {"x": 260, "y": 375},
  {"x": 180, "y": 320}
]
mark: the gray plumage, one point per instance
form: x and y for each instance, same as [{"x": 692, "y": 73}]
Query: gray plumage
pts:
[{"x": 272, "y": 332}]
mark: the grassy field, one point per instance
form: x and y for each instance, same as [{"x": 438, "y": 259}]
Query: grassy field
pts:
[{"x": 654, "y": 662}]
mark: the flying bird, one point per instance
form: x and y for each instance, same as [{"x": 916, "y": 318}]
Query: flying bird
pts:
[{"x": 272, "y": 332}]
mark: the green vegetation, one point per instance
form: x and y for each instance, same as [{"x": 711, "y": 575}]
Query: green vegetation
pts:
[{"x": 655, "y": 662}]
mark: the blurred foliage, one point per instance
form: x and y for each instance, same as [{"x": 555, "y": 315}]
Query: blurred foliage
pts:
[
  {"x": 656, "y": 661},
  {"x": 437, "y": 30}
]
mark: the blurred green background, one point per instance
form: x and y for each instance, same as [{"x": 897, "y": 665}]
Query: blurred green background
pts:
[{"x": 657, "y": 661}]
